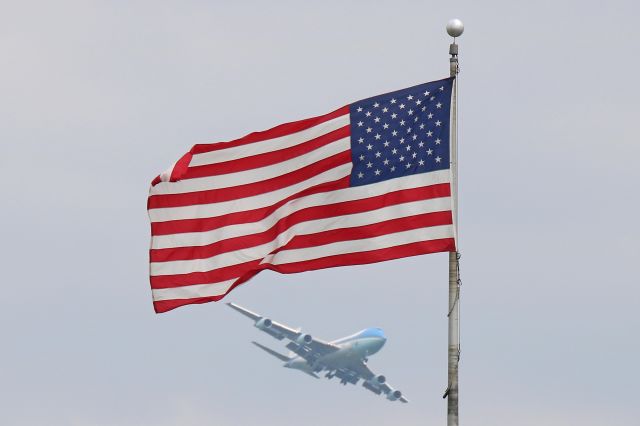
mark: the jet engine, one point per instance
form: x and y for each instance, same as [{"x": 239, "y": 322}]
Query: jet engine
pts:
[
  {"x": 379, "y": 380},
  {"x": 375, "y": 384},
  {"x": 392, "y": 396},
  {"x": 264, "y": 323},
  {"x": 304, "y": 339}
]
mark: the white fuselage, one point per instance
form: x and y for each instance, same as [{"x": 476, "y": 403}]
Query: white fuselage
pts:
[{"x": 352, "y": 348}]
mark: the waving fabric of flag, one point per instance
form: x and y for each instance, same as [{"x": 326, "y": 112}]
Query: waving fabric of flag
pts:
[{"x": 366, "y": 183}]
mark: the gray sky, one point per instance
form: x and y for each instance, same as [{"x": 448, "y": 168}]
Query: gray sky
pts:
[{"x": 97, "y": 97}]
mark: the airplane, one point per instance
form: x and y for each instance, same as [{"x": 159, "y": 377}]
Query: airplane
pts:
[{"x": 345, "y": 358}]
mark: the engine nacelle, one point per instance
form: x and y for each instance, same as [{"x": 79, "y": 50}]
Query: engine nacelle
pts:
[
  {"x": 379, "y": 380},
  {"x": 304, "y": 339},
  {"x": 375, "y": 389},
  {"x": 264, "y": 323},
  {"x": 392, "y": 396}
]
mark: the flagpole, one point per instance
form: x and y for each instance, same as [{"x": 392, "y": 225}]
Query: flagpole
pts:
[{"x": 454, "y": 29}]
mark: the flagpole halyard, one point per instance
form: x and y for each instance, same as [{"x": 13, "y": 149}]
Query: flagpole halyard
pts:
[{"x": 455, "y": 29}]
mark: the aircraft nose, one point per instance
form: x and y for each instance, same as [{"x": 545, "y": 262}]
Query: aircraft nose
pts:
[
  {"x": 380, "y": 343},
  {"x": 381, "y": 339}
]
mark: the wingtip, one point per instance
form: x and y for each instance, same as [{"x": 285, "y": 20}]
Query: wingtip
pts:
[{"x": 233, "y": 306}]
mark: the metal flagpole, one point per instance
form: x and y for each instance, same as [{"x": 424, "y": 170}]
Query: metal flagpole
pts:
[{"x": 454, "y": 29}]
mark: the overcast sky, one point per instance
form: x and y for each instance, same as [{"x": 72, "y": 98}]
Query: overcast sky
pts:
[{"x": 98, "y": 97}]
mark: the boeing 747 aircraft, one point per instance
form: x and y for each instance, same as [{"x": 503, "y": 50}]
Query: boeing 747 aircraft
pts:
[{"x": 344, "y": 358}]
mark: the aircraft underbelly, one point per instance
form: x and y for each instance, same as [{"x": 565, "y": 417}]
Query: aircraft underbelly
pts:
[{"x": 340, "y": 359}]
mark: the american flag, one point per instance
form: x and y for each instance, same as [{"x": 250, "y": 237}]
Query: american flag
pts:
[{"x": 366, "y": 183}]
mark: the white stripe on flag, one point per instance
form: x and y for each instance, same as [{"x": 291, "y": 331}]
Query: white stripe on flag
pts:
[
  {"x": 244, "y": 177},
  {"x": 192, "y": 291},
  {"x": 303, "y": 228},
  {"x": 362, "y": 245},
  {"x": 195, "y": 239},
  {"x": 261, "y": 147},
  {"x": 270, "y": 198},
  {"x": 200, "y": 211}
]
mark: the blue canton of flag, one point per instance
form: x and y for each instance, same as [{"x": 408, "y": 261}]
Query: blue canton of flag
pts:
[{"x": 401, "y": 133}]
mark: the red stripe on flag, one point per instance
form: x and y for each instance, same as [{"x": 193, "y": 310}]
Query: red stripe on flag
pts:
[
  {"x": 167, "y": 305},
  {"x": 304, "y": 241},
  {"x": 217, "y": 275},
  {"x": 369, "y": 231},
  {"x": 180, "y": 168},
  {"x": 304, "y": 215},
  {"x": 208, "y": 224},
  {"x": 249, "y": 189},
  {"x": 361, "y": 258},
  {"x": 267, "y": 158},
  {"x": 372, "y": 256},
  {"x": 275, "y": 132}
]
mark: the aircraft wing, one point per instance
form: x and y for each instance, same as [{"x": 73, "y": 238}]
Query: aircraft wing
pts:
[
  {"x": 300, "y": 343},
  {"x": 375, "y": 383}
]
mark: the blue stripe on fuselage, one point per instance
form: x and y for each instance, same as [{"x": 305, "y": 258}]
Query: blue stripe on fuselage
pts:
[{"x": 368, "y": 332}]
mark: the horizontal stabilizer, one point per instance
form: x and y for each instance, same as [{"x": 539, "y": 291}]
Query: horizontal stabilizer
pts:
[{"x": 281, "y": 357}]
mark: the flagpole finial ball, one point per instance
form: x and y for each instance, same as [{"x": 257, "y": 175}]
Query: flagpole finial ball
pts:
[{"x": 455, "y": 28}]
